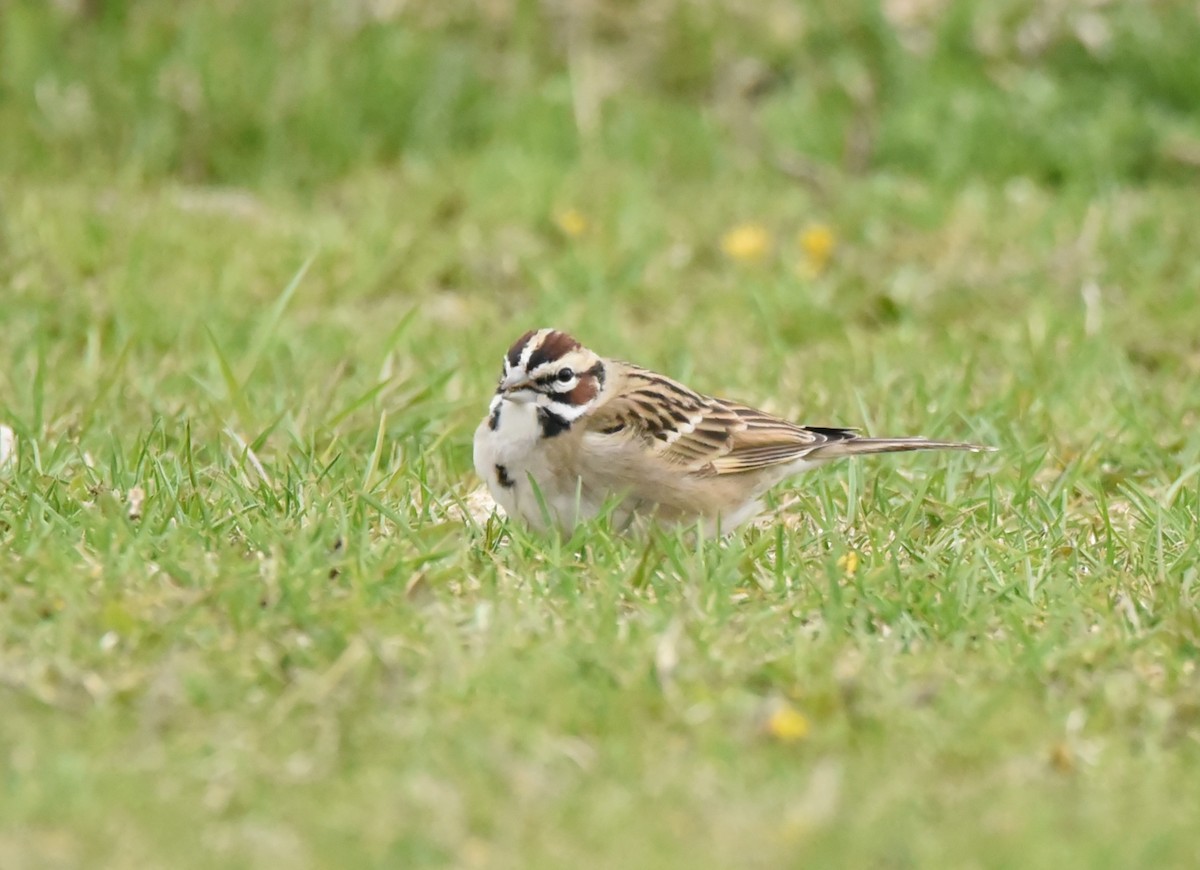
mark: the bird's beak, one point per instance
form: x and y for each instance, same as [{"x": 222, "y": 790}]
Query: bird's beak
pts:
[{"x": 517, "y": 387}]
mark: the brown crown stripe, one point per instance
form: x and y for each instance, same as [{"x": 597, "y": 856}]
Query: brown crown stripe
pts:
[
  {"x": 514, "y": 352},
  {"x": 554, "y": 346}
]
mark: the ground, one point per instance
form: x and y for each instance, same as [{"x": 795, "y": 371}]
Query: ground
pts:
[{"x": 258, "y": 265}]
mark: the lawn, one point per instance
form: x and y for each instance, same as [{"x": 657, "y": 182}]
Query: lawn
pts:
[{"x": 258, "y": 265}]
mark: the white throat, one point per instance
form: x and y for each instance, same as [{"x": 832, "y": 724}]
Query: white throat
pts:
[{"x": 517, "y": 422}]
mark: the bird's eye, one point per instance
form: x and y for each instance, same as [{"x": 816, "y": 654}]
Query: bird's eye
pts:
[{"x": 565, "y": 375}]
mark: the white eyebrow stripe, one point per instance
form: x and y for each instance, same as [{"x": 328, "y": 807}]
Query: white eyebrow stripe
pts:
[{"x": 546, "y": 370}]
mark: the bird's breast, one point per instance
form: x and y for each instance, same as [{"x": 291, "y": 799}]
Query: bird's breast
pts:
[{"x": 513, "y": 430}]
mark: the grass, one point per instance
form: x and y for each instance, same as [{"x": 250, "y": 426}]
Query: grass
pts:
[{"x": 258, "y": 267}]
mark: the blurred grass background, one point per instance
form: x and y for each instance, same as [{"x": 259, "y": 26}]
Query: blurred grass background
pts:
[
  {"x": 295, "y": 95},
  {"x": 954, "y": 218}
]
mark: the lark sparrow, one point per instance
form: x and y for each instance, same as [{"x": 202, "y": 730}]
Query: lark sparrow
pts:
[{"x": 568, "y": 430}]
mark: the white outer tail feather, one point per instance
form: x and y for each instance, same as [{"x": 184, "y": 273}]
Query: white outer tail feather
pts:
[{"x": 865, "y": 446}]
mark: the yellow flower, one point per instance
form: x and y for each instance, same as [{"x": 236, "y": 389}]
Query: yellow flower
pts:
[
  {"x": 849, "y": 563},
  {"x": 787, "y": 724},
  {"x": 1062, "y": 759},
  {"x": 817, "y": 242},
  {"x": 747, "y": 243},
  {"x": 571, "y": 222}
]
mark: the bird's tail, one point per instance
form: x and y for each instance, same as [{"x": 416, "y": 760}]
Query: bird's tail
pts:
[{"x": 856, "y": 446}]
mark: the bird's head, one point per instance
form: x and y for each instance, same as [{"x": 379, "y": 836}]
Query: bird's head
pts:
[{"x": 552, "y": 370}]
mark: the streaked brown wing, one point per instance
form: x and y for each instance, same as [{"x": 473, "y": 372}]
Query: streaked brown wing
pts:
[
  {"x": 766, "y": 440},
  {"x": 700, "y": 433}
]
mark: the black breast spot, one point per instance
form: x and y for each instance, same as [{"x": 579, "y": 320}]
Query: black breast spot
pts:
[
  {"x": 494, "y": 420},
  {"x": 502, "y": 477}
]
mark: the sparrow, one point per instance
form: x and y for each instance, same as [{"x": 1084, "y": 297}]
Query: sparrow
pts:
[{"x": 570, "y": 433}]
